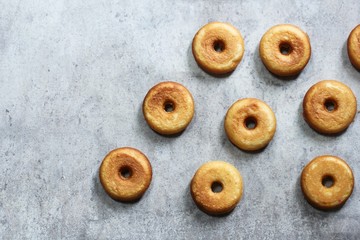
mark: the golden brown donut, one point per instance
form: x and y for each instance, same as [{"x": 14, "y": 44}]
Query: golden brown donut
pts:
[
  {"x": 329, "y": 107},
  {"x": 285, "y": 50},
  {"x": 125, "y": 173},
  {"x": 250, "y": 124},
  {"x": 220, "y": 173},
  {"x": 353, "y": 47},
  {"x": 317, "y": 175},
  {"x": 168, "y": 108},
  {"x": 218, "y": 47}
]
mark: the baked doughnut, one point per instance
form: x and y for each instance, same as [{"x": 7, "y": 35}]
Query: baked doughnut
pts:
[
  {"x": 218, "y": 47},
  {"x": 327, "y": 182},
  {"x": 285, "y": 50},
  {"x": 216, "y": 187},
  {"x": 353, "y": 47},
  {"x": 329, "y": 107},
  {"x": 250, "y": 124},
  {"x": 168, "y": 108},
  {"x": 125, "y": 173}
]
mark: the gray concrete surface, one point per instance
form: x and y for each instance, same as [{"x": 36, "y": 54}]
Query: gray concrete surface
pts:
[{"x": 73, "y": 75}]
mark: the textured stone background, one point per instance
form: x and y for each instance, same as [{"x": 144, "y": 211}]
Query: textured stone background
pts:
[{"x": 73, "y": 75}]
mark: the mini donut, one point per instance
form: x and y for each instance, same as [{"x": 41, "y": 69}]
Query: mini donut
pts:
[
  {"x": 285, "y": 50},
  {"x": 322, "y": 170},
  {"x": 203, "y": 191},
  {"x": 250, "y": 124},
  {"x": 353, "y": 47},
  {"x": 125, "y": 174},
  {"x": 329, "y": 107},
  {"x": 168, "y": 108},
  {"x": 218, "y": 48}
]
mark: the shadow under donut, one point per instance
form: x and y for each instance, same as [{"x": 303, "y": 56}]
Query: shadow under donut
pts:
[
  {"x": 268, "y": 76},
  {"x": 149, "y": 132},
  {"x": 234, "y": 150},
  {"x": 196, "y": 210},
  {"x": 346, "y": 62},
  {"x": 105, "y": 199},
  {"x": 201, "y": 73},
  {"x": 308, "y": 130},
  {"x": 306, "y": 207}
]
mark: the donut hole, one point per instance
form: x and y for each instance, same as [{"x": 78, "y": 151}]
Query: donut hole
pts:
[
  {"x": 330, "y": 105},
  {"x": 219, "y": 46},
  {"x": 285, "y": 48},
  {"x": 216, "y": 187},
  {"x": 125, "y": 172},
  {"x": 250, "y": 123},
  {"x": 169, "y": 106},
  {"x": 327, "y": 181}
]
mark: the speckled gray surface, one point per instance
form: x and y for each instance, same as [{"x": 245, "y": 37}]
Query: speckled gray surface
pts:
[{"x": 73, "y": 76}]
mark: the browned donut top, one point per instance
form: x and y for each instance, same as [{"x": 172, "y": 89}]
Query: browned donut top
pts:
[
  {"x": 218, "y": 47},
  {"x": 353, "y": 46},
  {"x": 250, "y": 109},
  {"x": 315, "y": 108},
  {"x": 217, "y": 202},
  {"x": 327, "y": 167},
  {"x": 285, "y": 49},
  {"x": 177, "y": 98},
  {"x": 125, "y": 174}
]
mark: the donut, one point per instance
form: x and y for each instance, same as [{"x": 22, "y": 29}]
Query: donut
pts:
[
  {"x": 218, "y": 48},
  {"x": 125, "y": 174},
  {"x": 353, "y": 47},
  {"x": 329, "y": 107},
  {"x": 168, "y": 108},
  {"x": 285, "y": 50},
  {"x": 250, "y": 124},
  {"x": 327, "y": 182},
  {"x": 216, "y": 187}
]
